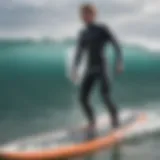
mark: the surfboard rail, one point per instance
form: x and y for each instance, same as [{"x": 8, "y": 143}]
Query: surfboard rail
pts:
[{"x": 76, "y": 150}]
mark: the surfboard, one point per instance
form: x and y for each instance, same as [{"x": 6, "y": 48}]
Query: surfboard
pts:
[{"x": 71, "y": 143}]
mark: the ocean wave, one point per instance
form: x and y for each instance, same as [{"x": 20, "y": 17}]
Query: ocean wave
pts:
[
  {"x": 151, "y": 45},
  {"x": 20, "y": 40},
  {"x": 144, "y": 43},
  {"x": 56, "y": 139},
  {"x": 25, "y": 40}
]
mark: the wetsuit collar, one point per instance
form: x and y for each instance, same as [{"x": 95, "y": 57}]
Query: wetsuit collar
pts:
[{"x": 90, "y": 25}]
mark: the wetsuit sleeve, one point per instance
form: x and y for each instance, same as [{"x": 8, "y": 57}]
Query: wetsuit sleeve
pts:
[
  {"x": 111, "y": 38},
  {"x": 79, "y": 50}
]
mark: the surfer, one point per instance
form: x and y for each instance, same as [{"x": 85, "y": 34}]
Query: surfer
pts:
[{"x": 93, "y": 40}]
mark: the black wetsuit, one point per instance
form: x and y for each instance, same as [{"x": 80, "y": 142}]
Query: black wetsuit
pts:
[{"x": 93, "y": 40}]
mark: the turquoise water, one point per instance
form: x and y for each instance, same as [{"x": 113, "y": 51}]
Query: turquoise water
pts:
[{"x": 36, "y": 95}]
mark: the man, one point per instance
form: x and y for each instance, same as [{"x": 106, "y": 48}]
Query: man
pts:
[{"x": 93, "y": 39}]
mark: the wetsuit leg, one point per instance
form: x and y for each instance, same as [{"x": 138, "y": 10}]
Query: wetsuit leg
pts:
[
  {"x": 106, "y": 95},
  {"x": 85, "y": 90}
]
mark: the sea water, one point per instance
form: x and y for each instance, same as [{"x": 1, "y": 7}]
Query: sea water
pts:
[{"x": 37, "y": 96}]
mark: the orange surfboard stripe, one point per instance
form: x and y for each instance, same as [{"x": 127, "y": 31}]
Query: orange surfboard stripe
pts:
[{"x": 74, "y": 150}]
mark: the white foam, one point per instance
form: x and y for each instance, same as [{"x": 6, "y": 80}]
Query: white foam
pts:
[
  {"x": 51, "y": 139},
  {"x": 151, "y": 45},
  {"x": 150, "y": 126},
  {"x": 35, "y": 142}
]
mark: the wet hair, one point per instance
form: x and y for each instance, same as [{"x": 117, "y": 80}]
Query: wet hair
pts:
[{"x": 88, "y": 8}]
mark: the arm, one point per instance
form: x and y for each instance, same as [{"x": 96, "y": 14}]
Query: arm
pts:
[
  {"x": 116, "y": 46},
  {"x": 77, "y": 59},
  {"x": 79, "y": 52}
]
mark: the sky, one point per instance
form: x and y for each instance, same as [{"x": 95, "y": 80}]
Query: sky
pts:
[{"x": 131, "y": 20}]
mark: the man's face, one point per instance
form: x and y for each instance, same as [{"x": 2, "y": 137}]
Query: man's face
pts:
[{"x": 88, "y": 17}]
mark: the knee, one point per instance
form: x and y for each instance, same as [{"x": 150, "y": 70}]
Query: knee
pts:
[{"x": 105, "y": 92}]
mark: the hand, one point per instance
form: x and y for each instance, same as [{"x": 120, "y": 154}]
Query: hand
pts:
[{"x": 119, "y": 68}]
